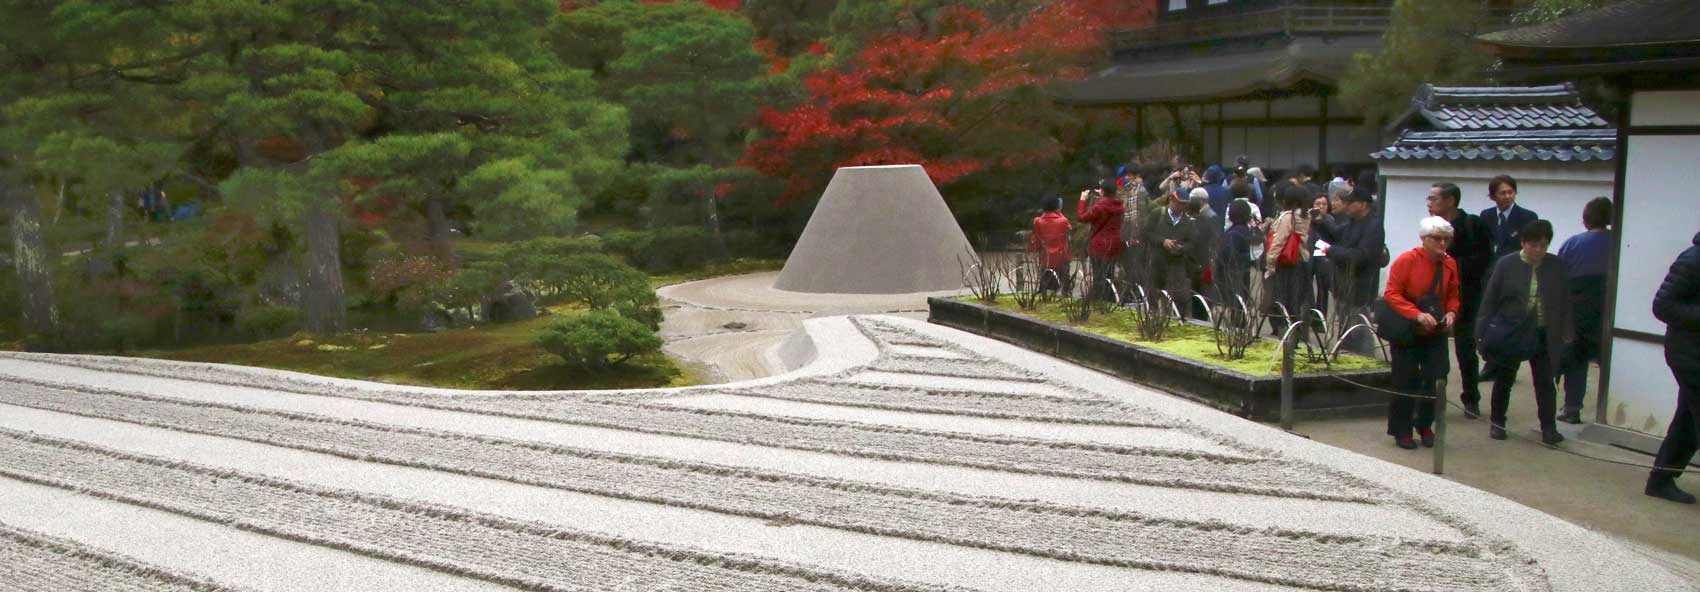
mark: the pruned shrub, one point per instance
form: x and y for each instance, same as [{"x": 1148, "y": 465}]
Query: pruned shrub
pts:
[
  {"x": 267, "y": 322},
  {"x": 665, "y": 249},
  {"x": 597, "y": 338}
]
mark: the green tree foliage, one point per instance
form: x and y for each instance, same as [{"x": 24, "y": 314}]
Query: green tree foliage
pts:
[
  {"x": 1431, "y": 41},
  {"x": 596, "y": 280},
  {"x": 1540, "y": 11},
  {"x": 597, "y": 338}
]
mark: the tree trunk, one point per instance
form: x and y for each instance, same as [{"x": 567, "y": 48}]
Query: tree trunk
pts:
[
  {"x": 324, "y": 298},
  {"x": 717, "y": 241},
  {"x": 437, "y": 228},
  {"x": 31, "y": 260},
  {"x": 106, "y": 259}
]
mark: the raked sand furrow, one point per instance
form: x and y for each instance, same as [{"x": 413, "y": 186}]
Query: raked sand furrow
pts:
[
  {"x": 925, "y": 351},
  {"x": 971, "y": 368},
  {"x": 958, "y": 403},
  {"x": 1080, "y": 534},
  {"x": 1146, "y": 466},
  {"x": 865, "y": 376},
  {"x": 33, "y": 561},
  {"x": 1253, "y": 511},
  {"x": 453, "y": 540},
  {"x": 1134, "y": 437}
]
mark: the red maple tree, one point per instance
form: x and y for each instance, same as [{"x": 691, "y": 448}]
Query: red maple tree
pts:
[{"x": 968, "y": 96}]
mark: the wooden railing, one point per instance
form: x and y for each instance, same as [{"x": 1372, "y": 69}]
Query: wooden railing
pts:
[{"x": 1298, "y": 17}]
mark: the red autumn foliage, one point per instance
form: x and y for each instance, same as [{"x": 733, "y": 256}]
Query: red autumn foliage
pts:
[{"x": 950, "y": 99}]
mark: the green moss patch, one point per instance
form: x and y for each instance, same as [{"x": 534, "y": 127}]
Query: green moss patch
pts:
[
  {"x": 1188, "y": 341},
  {"x": 496, "y": 357}
]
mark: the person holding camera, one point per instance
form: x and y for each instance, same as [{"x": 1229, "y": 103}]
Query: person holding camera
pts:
[
  {"x": 1103, "y": 211},
  {"x": 1422, "y": 290},
  {"x": 1170, "y": 237}
]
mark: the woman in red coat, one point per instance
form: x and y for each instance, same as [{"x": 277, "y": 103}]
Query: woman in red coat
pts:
[
  {"x": 1100, "y": 209},
  {"x": 1050, "y": 240},
  {"x": 1412, "y": 292}
]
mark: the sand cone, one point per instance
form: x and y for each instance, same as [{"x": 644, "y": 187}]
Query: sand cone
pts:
[{"x": 877, "y": 230}]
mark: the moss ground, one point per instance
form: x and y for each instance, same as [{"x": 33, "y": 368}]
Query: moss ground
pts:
[
  {"x": 1188, "y": 341},
  {"x": 498, "y": 357},
  {"x": 717, "y": 269}
]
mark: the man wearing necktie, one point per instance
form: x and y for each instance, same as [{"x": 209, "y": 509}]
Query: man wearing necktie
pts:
[{"x": 1505, "y": 222}]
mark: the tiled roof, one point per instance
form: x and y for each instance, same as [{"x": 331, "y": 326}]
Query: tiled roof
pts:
[
  {"x": 1531, "y": 145},
  {"x": 1503, "y": 108}
]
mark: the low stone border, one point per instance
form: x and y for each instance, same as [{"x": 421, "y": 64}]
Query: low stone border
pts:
[{"x": 1253, "y": 397}]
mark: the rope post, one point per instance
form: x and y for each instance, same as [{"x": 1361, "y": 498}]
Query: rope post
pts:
[
  {"x": 1439, "y": 391},
  {"x": 1287, "y": 381}
]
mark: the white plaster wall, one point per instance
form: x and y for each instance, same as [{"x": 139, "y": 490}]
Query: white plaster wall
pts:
[
  {"x": 1675, "y": 107},
  {"x": 1661, "y": 213},
  {"x": 1643, "y": 391}
]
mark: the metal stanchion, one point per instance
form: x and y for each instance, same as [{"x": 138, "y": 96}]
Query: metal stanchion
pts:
[
  {"x": 1287, "y": 381},
  {"x": 1438, "y": 389}
]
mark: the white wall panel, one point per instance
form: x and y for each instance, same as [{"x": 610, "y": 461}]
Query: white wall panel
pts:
[
  {"x": 1643, "y": 390},
  {"x": 1661, "y": 213}
]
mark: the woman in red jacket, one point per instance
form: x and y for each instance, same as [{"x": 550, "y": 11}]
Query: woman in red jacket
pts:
[
  {"x": 1050, "y": 240},
  {"x": 1105, "y": 246},
  {"x": 1422, "y": 286}
]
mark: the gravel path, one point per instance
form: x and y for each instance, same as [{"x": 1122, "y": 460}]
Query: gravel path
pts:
[{"x": 905, "y": 458}]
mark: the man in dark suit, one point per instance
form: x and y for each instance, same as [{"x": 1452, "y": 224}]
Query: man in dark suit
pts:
[{"x": 1505, "y": 222}]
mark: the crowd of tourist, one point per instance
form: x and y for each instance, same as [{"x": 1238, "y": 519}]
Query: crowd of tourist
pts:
[{"x": 1486, "y": 283}]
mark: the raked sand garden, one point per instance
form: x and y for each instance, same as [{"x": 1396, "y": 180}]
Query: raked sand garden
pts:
[{"x": 898, "y": 456}]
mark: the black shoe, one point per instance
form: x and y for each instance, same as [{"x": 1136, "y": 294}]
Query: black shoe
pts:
[
  {"x": 1472, "y": 410},
  {"x": 1572, "y": 417},
  {"x": 1406, "y": 442},
  {"x": 1551, "y": 437},
  {"x": 1666, "y": 489},
  {"x": 1427, "y": 437},
  {"x": 1496, "y": 432}
]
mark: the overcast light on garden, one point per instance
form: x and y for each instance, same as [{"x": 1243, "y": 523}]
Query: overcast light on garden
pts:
[{"x": 872, "y": 295}]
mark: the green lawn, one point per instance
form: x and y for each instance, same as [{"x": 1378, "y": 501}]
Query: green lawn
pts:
[
  {"x": 495, "y": 357},
  {"x": 717, "y": 269},
  {"x": 1188, "y": 341}
]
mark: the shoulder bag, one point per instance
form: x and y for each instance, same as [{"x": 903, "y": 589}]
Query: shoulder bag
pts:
[{"x": 1403, "y": 332}]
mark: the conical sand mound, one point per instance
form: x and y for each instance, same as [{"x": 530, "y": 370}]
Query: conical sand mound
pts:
[{"x": 877, "y": 230}]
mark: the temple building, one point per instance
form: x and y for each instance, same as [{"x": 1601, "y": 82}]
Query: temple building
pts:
[{"x": 1251, "y": 77}]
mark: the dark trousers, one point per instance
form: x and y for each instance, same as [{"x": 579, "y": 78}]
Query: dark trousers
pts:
[
  {"x": 1415, "y": 369},
  {"x": 1546, "y": 393},
  {"x": 1680, "y": 438},
  {"x": 1574, "y": 371},
  {"x": 1170, "y": 274},
  {"x": 1469, "y": 364},
  {"x": 1103, "y": 270},
  {"x": 1054, "y": 279}
]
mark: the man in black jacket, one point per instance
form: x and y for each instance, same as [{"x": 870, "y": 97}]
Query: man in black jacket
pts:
[
  {"x": 1472, "y": 247},
  {"x": 1678, "y": 305},
  {"x": 1356, "y": 243}
]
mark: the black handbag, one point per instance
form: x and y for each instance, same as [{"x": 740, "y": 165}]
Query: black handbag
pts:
[
  {"x": 1509, "y": 339},
  {"x": 1403, "y": 332}
]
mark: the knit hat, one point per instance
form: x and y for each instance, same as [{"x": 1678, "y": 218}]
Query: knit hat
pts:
[{"x": 1199, "y": 193}]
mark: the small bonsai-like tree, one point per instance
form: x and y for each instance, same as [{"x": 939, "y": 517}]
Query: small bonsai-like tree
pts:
[{"x": 597, "y": 338}]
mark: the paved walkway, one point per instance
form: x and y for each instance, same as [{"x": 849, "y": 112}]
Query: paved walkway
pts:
[
  {"x": 904, "y": 457},
  {"x": 1600, "y": 496}
]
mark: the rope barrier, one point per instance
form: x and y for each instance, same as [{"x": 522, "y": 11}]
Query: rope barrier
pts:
[{"x": 1519, "y": 436}]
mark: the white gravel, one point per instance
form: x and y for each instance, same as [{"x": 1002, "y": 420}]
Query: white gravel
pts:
[{"x": 905, "y": 457}]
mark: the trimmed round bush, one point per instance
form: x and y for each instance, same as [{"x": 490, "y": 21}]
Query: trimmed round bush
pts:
[
  {"x": 267, "y": 322},
  {"x": 597, "y": 338}
]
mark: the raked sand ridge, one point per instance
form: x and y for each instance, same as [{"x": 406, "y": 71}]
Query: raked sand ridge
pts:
[{"x": 903, "y": 457}]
